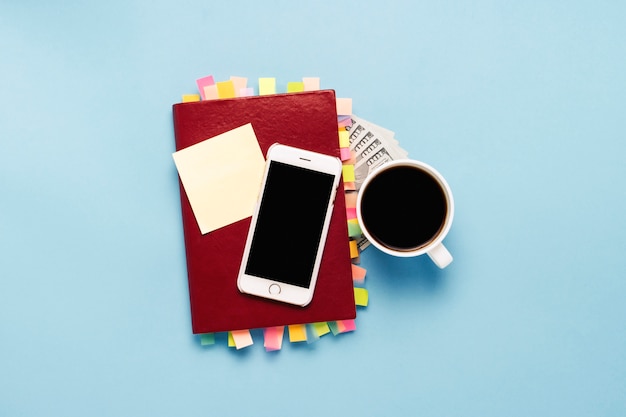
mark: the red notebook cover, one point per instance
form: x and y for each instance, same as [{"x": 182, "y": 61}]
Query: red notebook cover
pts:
[{"x": 306, "y": 120}]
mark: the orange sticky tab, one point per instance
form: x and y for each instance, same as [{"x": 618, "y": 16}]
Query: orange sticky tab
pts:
[
  {"x": 210, "y": 92},
  {"x": 354, "y": 250},
  {"x": 349, "y": 186},
  {"x": 346, "y": 325},
  {"x": 297, "y": 333},
  {"x": 358, "y": 273},
  {"x": 351, "y": 199}
]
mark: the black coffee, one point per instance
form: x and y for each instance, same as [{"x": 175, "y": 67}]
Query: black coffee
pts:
[{"x": 404, "y": 208}]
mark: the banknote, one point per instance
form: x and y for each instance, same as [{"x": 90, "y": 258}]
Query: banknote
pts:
[{"x": 372, "y": 146}]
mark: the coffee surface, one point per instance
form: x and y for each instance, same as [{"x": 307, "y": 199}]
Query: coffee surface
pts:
[{"x": 404, "y": 208}]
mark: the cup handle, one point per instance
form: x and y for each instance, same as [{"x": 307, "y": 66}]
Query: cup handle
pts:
[{"x": 440, "y": 256}]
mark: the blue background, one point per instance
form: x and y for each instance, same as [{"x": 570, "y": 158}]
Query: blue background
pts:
[{"x": 520, "y": 106}]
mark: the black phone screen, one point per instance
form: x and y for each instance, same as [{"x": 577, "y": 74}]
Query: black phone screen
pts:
[{"x": 289, "y": 224}]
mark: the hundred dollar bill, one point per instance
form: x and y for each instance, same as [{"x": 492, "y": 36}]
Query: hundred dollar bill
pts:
[{"x": 365, "y": 141}]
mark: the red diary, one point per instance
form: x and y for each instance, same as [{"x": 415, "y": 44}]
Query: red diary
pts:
[{"x": 306, "y": 120}]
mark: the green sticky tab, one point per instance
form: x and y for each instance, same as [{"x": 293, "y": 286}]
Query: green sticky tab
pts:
[
  {"x": 354, "y": 230},
  {"x": 207, "y": 339},
  {"x": 334, "y": 327}
]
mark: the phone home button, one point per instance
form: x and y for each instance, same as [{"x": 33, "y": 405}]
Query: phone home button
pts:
[{"x": 274, "y": 289}]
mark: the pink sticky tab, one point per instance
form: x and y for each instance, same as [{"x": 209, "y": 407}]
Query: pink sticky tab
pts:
[
  {"x": 203, "y": 82},
  {"x": 346, "y": 325},
  {"x": 351, "y": 212},
  {"x": 345, "y": 154},
  {"x": 246, "y": 92},
  {"x": 273, "y": 338},
  {"x": 344, "y": 123}
]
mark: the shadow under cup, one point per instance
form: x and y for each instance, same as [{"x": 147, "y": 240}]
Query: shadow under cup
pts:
[{"x": 404, "y": 208}]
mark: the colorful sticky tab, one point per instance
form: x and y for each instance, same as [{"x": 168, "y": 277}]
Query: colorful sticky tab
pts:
[
  {"x": 344, "y": 106},
  {"x": 361, "y": 297},
  {"x": 311, "y": 83},
  {"x": 207, "y": 339},
  {"x": 354, "y": 250},
  {"x": 342, "y": 124},
  {"x": 344, "y": 139},
  {"x": 351, "y": 212},
  {"x": 297, "y": 333},
  {"x": 346, "y": 325},
  {"x": 203, "y": 82},
  {"x": 246, "y": 92},
  {"x": 345, "y": 154},
  {"x": 354, "y": 229},
  {"x": 295, "y": 87},
  {"x": 210, "y": 92},
  {"x": 333, "y": 327},
  {"x": 311, "y": 334},
  {"x": 226, "y": 89},
  {"x": 267, "y": 85},
  {"x": 351, "y": 199},
  {"x": 348, "y": 173},
  {"x": 349, "y": 186},
  {"x": 231, "y": 340},
  {"x": 242, "y": 338},
  {"x": 189, "y": 98},
  {"x": 273, "y": 338},
  {"x": 321, "y": 328},
  {"x": 358, "y": 273},
  {"x": 239, "y": 83}
]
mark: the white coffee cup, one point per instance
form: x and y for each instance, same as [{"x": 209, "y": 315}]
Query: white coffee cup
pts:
[{"x": 405, "y": 208}]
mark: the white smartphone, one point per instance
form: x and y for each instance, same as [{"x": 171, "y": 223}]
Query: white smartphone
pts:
[{"x": 288, "y": 231}]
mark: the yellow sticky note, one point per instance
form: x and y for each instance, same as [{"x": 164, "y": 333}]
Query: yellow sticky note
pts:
[
  {"x": 231, "y": 340},
  {"x": 297, "y": 332},
  {"x": 354, "y": 250},
  {"x": 222, "y": 177},
  {"x": 242, "y": 338},
  {"x": 321, "y": 328},
  {"x": 210, "y": 92},
  {"x": 361, "y": 296},
  {"x": 188, "y": 98},
  {"x": 295, "y": 87},
  {"x": 348, "y": 173},
  {"x": 226, "y": 89},
  {"x": 239, "y": 84},
  {"x": 344, "y": 139},
  {"x": 267, "y": 86},
  {"x": 311, "y": 83},
  {"x": 344, "y": 106}
]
